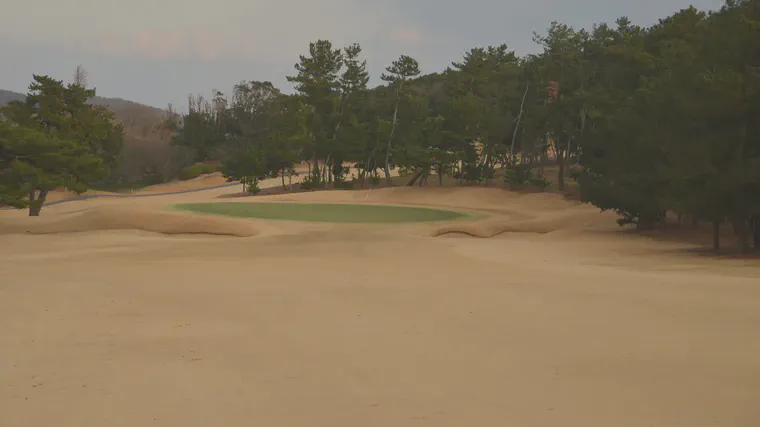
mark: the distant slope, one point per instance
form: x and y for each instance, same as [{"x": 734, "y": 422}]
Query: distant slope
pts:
[
  {"x": 128, "y": 112},
  {"x": 7, "y": 96}
]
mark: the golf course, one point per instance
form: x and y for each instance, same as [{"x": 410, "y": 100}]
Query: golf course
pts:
[{"x": 380, "y": 214}]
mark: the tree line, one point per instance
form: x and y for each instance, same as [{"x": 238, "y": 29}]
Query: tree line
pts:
[{"x": 646, "y": 120}]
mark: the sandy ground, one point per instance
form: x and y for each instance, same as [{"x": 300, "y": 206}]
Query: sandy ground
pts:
[
  {"x": 203, "y": 181},
  {"x": 113, "y": 315}
]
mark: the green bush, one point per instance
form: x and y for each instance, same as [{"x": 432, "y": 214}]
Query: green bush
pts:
[
  {"x": 196, "y": 170},
  {"x": 474, "y": 173},
  {"x": 540, "y": 183},
  {"x": 251, "y": 185},
  {"x": 342, "y": 184},
  {"x": 520, "y": 175},
  {"x": 311, "y": 182}
]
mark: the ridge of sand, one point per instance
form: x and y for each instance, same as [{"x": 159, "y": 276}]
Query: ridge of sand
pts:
[
  {"x": 60, "y": 194},
  {"x": 568, "y": 220},
  {"x": 102, "y": 218},
  {"x": 204, "y": 181}
]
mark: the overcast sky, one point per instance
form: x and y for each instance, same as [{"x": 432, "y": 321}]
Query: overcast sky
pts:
[{"x": 158, "y": 51}]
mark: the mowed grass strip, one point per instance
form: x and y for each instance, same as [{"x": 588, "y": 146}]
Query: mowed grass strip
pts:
[{"x": 320, "y": 212}]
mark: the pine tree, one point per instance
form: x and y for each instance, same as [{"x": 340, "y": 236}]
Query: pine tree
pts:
[
  {"x": 318, "y": 82},
  {"x": 54, "y": 138},
  {"x": 398, "y": 75}
]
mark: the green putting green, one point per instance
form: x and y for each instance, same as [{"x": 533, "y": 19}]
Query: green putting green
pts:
[{"x": 324, "y": 212}]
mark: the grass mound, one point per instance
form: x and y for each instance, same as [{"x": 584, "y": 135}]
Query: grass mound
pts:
[{"x": 325, "y": 212}]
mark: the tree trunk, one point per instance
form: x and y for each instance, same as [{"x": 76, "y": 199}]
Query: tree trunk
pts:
[
  {"x": 756, "y": 232},
  {"x": 290, "y": 181},
  {"x": 36, "y": 206},
  {"x": 440, "y": 175},
  {"x": 387, "y": 169},
  {"x": 561, "y": 173},
  {"x": 390, "y": 138},
  {"x": 364, "y": 174},
  {"x": 283, "y": 180},
  {"x": 324, "y": 169},
  {"x": 32, "y": 197},
  {"x": 414, "y": 179},
  {"x": 517, "y": 126},
  {"x": 716, "y": 234}
]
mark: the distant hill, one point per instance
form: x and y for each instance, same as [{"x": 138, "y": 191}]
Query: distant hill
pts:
[
  {"x": 7, "y": 96},
  {"x": 131, "y": 114}
]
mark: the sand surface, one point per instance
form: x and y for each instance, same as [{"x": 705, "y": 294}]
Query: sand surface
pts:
[{"x": 117, "y": 312}]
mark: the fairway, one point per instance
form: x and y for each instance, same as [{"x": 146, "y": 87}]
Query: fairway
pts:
[{"x": 325, "y": 212}]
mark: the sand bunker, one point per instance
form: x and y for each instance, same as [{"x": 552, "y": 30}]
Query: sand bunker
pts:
[
  {"x": 119, "y": 218},
  {"x": 571, "y": 219}
]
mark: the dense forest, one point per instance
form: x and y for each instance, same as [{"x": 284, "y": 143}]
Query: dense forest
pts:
[{"x": 646, "y": 120}]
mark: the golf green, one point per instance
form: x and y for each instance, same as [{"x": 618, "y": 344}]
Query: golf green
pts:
[{"x": 324, "y": 212}]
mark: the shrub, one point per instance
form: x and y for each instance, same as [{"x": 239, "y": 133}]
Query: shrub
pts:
[
  {"x": 522, "y": 174},
  {"x": 311, "y": 182},
  {"x": 342, "y": 184},
  {"x": 474, "y": 173},
  {"x": 196, "y": 170},
  {"x": 251, "y": 185}
]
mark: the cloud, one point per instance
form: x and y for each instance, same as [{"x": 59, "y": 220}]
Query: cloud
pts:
[
  {"x": 155, "y": 46},
  {"x": 407, "y": 35},
  {"x": 195, "y": 29},
  {"x": 151, "y": 45}
]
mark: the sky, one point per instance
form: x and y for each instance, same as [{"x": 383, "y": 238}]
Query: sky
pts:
[{"x": 158, "y": 51}]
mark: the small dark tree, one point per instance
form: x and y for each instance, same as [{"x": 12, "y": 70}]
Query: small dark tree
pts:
[{"x": 398, "y": 75}]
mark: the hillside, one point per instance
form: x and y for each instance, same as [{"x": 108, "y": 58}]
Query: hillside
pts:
[
  {"x": 7, "y": 96},
  {"x": 129, "y": 113}
]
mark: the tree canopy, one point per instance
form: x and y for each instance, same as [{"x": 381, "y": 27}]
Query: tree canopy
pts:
[{"x": 52, "y": 139}]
